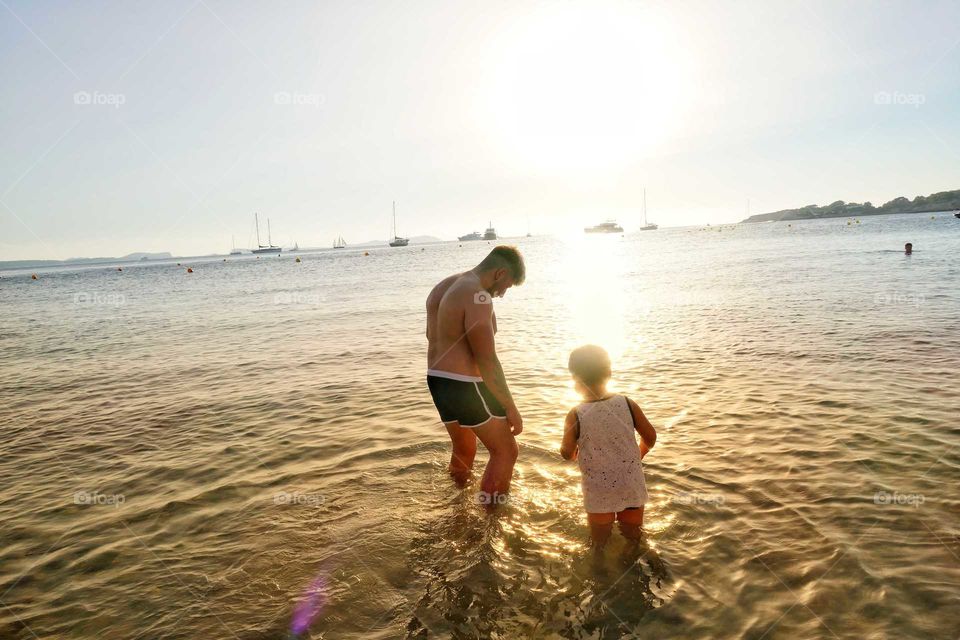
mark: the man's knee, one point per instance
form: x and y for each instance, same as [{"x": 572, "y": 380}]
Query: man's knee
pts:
[
  {"x": 514, "y": 450},
  {"x": 465, "y": 448},
  {"x": 508, "y": 450}
]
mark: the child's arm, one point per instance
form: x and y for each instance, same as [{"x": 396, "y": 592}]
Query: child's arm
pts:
[
  {"x": 648, "y": 435},
  {"x": 571, "y": 433}
]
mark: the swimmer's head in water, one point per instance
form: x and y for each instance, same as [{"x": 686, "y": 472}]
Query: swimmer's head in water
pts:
[
  {"x": 505, "y": 266},
  {"x": 908, "y": 248},
  {"x": 590, "y": 365}
]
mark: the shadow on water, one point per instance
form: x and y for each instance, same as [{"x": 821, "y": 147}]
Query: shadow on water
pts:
[{"x": 484, "y": 576}]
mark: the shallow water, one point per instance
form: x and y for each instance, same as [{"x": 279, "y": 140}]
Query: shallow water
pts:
[{"x": 183, "y": 455}]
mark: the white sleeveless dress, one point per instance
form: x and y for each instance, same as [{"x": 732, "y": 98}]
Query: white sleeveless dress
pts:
[{"x": 611, "y": 473}]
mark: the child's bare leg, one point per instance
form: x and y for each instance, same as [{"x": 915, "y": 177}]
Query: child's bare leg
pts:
[
  {"x": 464, "y": 451},
  {"x": 630, "y": 522},
  {"x": 601, "y": 525}
]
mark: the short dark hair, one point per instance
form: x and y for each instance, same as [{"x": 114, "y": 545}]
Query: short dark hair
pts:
[
  {"x": 506, "y": 257},
  {"x": 590, "y": 364}
]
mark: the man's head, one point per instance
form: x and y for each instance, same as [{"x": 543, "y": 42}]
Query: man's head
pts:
[
  {"x": 590, "y": 365},
  {"x": 908, "y": 248},
  {"x": 501, "y": 269}
]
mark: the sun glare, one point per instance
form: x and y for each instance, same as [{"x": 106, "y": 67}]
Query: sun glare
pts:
[
  {"x": 593, "y": 313},
  {"x": 578, "y": 89}
]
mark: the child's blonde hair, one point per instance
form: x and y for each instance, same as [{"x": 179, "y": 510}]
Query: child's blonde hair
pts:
[{"x": 590, "y": 364}]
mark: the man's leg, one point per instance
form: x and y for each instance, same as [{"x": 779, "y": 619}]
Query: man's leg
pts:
[
  {"x": 464, "y": 451},
  {"x": 496, "y": 436}
]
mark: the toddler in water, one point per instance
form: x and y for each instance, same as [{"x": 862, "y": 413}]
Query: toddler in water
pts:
[{"x": 600, "y": 433}]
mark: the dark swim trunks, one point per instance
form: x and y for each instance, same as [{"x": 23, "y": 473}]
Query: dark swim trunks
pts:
[{"x": 463, "y": 399}]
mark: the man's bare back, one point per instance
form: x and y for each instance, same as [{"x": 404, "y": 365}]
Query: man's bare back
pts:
[{"x": 447, "y": 346}]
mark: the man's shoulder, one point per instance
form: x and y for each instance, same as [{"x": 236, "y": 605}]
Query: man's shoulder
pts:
[
  {"x": 459, "y": 287},
  {"x": 441, "y": 288}
]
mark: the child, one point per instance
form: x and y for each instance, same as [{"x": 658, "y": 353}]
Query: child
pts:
[{"x": 599, "y": 434}]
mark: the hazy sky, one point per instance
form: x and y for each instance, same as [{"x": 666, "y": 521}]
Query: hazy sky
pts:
[{"x": 162, "y": 126}]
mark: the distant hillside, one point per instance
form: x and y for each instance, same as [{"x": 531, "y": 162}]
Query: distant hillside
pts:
[
  {"x": 943, "y": 201},
  {"x": 149, "y": 256},
  {"x": 130, "y": 257}
]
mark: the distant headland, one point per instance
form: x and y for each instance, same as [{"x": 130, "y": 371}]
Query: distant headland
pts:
[
  {"x": 942, "y": 201},
  {"x": 130, "y": 257}
]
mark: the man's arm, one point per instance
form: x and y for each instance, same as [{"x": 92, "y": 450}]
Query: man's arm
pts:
[
  {"x": 478, "y": 325},
  {"x": 648, "y": 435},
  {"x": 571, "y": 434}
]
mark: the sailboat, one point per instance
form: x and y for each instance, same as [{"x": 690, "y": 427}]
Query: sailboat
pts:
[
  {"x": 339, "y": 243},
  {"x": 647, "y": 226},
  {"x": 264, "y": 248},
  {"x": 397, "y": 240},
  {"x": 233, "y": 248}
]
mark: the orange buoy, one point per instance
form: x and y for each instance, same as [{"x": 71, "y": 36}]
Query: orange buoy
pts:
[
  {"x": 33, "y": 277},
  {"x": 366, "y": 253},
  {"x": 189, "y": 270}
]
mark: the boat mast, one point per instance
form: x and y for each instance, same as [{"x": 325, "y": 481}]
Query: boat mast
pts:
[
  {"x": 269, "y": 241},
  {"x": 256, "y": 219},
  {"x": 644, "y": 206},
  {"x": 394, "y": 219}
]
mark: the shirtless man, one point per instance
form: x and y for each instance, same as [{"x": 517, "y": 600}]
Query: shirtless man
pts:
[{"x": 464, "y": 373}]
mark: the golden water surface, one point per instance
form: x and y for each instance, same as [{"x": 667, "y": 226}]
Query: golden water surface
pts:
[{"x": 190, "y": 455}]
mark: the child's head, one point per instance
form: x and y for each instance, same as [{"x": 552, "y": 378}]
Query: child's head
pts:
[{"x": 590, "y": 367}]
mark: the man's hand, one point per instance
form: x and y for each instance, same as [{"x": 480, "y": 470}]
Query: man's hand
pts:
[{"x": 514, "y": 420}]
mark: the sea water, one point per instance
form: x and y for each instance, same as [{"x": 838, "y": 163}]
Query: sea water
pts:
[{"x": 250, "y": 451}]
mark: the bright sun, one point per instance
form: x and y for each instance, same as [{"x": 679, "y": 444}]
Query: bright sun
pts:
[{"x": 588, "y": 88}]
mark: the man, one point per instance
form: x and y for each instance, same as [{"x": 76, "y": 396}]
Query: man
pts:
[{"x": 464, "y": 373}]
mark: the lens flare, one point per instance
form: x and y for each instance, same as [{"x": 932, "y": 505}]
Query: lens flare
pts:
[{"x": 311, "y": 604}]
